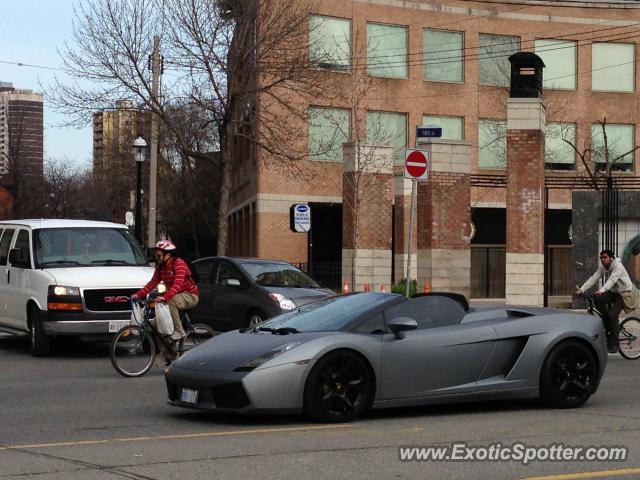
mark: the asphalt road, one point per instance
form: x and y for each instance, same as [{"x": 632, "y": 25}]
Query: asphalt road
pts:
[{"x": 71, "y": 416}]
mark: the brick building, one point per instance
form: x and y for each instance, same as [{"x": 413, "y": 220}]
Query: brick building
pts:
[{"x": 445, "y": 62}]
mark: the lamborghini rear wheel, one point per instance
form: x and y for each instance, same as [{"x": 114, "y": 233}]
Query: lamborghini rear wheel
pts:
[
  {"x": 339, "y": 388},
  {"x": 569, "y": 375}
]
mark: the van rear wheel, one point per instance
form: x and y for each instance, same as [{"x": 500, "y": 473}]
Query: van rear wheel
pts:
[{"x": 40, "y": 342}]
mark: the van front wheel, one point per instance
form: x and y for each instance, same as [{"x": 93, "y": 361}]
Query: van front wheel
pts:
[{"x": 40, "y": 343}]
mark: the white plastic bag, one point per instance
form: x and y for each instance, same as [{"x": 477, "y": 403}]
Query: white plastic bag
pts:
[
  {"x": 136, "y": 314},
  {"x": 163, "y": 319}
]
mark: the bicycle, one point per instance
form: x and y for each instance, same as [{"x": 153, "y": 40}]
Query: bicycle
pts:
[
  {"x": 628, "y": 336},
  {"x": 134, "y": 347}
]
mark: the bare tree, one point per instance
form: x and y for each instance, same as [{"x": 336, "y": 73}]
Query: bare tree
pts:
[
  {"x": 66, "y": 187},
  {"x": 224, "y": 55}
]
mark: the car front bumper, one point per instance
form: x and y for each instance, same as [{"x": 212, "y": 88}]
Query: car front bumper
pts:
[
  {"x": 274, "y": 389},
  {"x": 81, "y": 323}
]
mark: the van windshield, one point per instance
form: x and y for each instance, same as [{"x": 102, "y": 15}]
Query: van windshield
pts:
[{"x": 86, "y": 247}]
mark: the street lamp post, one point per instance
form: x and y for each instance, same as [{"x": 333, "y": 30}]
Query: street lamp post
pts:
[{"x": 139, "y": 146}]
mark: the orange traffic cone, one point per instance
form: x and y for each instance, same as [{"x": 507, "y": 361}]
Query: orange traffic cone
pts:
[
  {"x": 382, "y": 289},
  {"x": 345, "y": 287},
  {"x": 427, "y": 287}
]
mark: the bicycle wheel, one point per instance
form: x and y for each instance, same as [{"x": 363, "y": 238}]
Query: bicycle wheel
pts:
[
  {"x": 629, "y": 338},
  {"x": 133, "y": 351},
  {"x": 198, "y": 333}
]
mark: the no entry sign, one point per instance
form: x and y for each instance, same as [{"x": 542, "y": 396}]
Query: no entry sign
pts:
[{"x": 416, "y": 164}]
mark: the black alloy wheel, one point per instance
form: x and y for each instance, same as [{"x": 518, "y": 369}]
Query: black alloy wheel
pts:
[
  {"x": 569, "y": 375},
  {"x": 339, "y": 388}
]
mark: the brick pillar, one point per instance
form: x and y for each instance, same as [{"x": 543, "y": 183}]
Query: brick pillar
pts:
[
  {"x": 401, "y": 207},
  {"x": 525, "y": 202},
  {"x": 369, "y": 171},
  {"x": 444, "y": 219}
]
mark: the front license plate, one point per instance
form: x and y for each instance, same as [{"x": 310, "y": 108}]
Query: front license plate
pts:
[
  {"x": 189, "y": 396},
  {"x": 116, "y": 325}
]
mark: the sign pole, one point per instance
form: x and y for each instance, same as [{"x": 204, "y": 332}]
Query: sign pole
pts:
[{"x": 413, "y": 202}]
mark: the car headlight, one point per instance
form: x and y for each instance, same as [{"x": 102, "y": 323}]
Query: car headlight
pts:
[
  {"x": 284, "y": 302},
  {"x": 60, "y": 297},
  {"x": 265, "y": 357},
  {"x": 61, "y": 291}
]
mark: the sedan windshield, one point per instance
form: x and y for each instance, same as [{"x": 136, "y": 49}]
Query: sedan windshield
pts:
[
  {"x": 329, "y": 314},
  {"x": 278, "y": 275},
  {"x": 86, "y": 247}
]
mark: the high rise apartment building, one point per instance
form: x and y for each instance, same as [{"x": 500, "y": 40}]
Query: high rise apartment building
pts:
[
  {"x": 21, "y": 130},
  {"x": 114, "y": 132}
]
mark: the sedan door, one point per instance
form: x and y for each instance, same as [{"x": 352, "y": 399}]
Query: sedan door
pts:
[
  {"x": 207, "y": 269},
  {"x": 441, "y": 357}
]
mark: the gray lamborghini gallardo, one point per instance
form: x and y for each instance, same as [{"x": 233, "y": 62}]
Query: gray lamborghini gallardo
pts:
[{"x": 336, "y": 358}]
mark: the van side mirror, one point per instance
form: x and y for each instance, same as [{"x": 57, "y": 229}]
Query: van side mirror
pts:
[
  {"x": 17, "y": 259},
  {"x": 400, "y": 325}
]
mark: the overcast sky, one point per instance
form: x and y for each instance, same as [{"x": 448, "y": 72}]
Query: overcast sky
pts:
[{"x": 30, "y": 33}]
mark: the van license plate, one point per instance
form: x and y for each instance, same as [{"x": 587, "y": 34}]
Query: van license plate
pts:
[
  {"x": 189, "y": 396},
  {"x": 116, "y": 325}
]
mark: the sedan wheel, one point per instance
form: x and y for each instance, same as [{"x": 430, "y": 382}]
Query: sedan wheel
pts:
[
  {"x": 339, "y": 388},
  {"x": 568, "y": 376},
  {"x": 255, "y": 319}
]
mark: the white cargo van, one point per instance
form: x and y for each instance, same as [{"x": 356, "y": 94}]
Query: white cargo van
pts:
[{"x": 67, "y": 277}]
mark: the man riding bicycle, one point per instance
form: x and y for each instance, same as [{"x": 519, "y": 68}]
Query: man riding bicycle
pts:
[
  {"x": 617, "y": 293},
  {"x": 182, "y": 292}
]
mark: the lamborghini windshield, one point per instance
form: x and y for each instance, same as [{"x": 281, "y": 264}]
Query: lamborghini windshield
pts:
[{"x": 329, "y": 314}]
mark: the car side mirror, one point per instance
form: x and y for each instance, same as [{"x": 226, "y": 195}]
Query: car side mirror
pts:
[
  {"x": 400, "y": 325},
  {"x": 17, "y": 259}
]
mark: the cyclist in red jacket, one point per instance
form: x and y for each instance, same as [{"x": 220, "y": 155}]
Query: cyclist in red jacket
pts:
[{"x": 182, "y": 292}]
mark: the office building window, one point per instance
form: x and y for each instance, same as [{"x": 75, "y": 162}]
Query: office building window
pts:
[
  {"x": 620, "y": 142},
  {"x": 492, "y": 143},
  {"x": 559, "y": 58},
  {"x": 495, "y": 51},
  {"x": 328, "y": 130},
  {"x": 558, "y": 154},
  {"x": 613, "y": 67},
  {"x": 330, "y": 42},
  {"x": 452, "y": 127},
  {"x": 443, "y": 56},
  {"x": 385, "y": 128},
  {"x": 387, "y": 50}
]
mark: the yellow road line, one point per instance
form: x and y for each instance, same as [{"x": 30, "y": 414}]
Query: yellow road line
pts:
[
  {"x": 175, "y": 436},
  {"x": 594, "y": 474}
]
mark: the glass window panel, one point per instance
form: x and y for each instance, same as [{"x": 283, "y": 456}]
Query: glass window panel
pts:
[
  {"x": 328, "y": 130},
  {"x": 492, "y": 144},
  {"x": 330, "y": 41},
  {"x": 495, "y": 51},
  {"x": 556, "y": 150},
  {"x": 384, "y": 128},
  {"x": 613, "y": 67},
  {"x": 559, "y": 58},
  {"x": 443, "y": 54},
  {"x": 386, "y": 50},
  {"x": 620, "y": 139},
  {"x": 452, "y": 127}
]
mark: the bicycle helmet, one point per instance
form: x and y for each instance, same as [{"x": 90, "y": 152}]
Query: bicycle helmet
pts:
[{"x": 165, "y": 245}]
